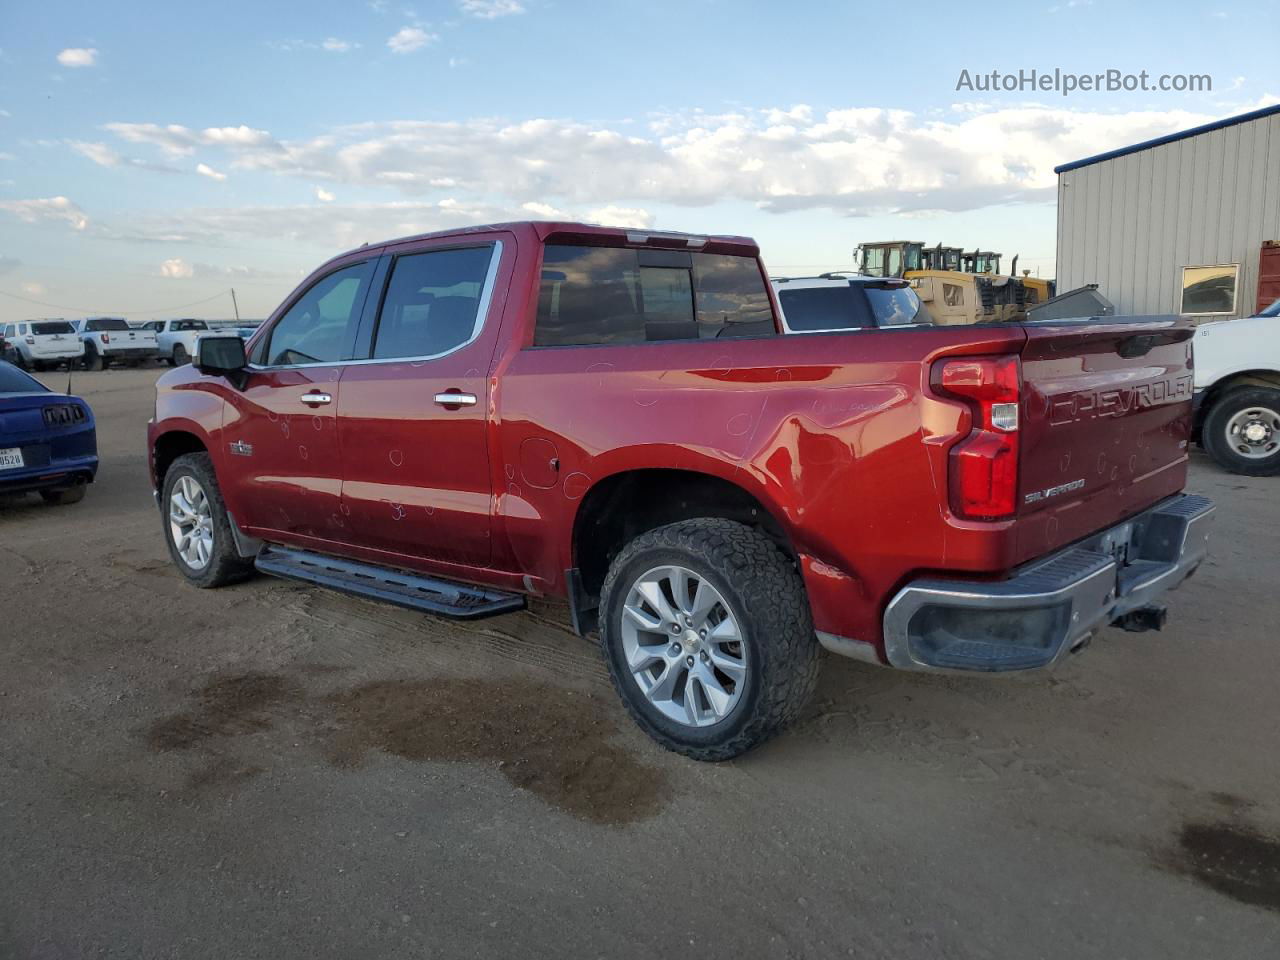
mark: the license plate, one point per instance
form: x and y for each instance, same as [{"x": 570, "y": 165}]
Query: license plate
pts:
[{"x": 11, "y": 458}]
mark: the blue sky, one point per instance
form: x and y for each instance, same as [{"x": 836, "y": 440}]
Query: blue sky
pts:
[{"x": 158, "y": 157}]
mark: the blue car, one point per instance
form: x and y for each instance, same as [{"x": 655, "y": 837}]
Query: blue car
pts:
[{"x": 48, "y": 441}]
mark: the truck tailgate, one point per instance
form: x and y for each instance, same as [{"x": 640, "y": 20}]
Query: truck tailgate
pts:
[{"x": 1106, "y": 421}]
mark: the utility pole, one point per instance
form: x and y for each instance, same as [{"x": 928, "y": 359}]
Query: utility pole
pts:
[{"x": 235, "y": 306}]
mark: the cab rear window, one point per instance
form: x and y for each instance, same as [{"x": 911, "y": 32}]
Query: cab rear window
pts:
[
  {"x": 105, "y": 323},
  {"x": 613, "y": 295}
]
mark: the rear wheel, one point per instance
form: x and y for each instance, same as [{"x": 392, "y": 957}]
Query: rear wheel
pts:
[
  {"x": 92, "y": 358},
  {"x": 196, "y": 527},
  {"x": 708, "y": 637},
  {"x": 1242, "y": 431},
  {"x": 180, "y": 355}
]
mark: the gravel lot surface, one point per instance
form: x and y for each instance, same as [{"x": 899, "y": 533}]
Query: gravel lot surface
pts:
[{"x": 275, "y": 771}]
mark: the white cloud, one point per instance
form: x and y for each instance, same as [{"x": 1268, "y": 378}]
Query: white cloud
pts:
[
  {"x": 490, "y": 9},
  {"x": 409, "y": 39},
  {"x": 34, "y": 289},
  {"x": 180, "y": 269},
  {"x": 177, "y": 140},
  {"x": 47, "y": 209},
  {"x": 99, "y": 153},
  {"x": 9, "y": 264},
  {"x": 78, "y": 57},
  {"x": 176, "y": 269},
  {"x": 853, "y": 162},
  {"x": 207, "y": 171},
  {"x": 334, "y": 45},
  {"x": 5, "y": 113},
  {"x": 615, "y": 216}
]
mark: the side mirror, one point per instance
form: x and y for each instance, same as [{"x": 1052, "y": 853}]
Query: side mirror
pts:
[{"x": 221, "y": 356}]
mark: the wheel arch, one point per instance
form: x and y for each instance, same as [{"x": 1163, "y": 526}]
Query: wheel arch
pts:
[
  {"x": 169, "y": 446},
  {"x": 623, "y": 505},
  {"x": 1225, "y": 384}
]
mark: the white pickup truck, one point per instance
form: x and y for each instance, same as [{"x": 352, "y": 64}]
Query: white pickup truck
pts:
[
  {"x": 1237, "y": 392},
  {"x": 109, "y": 340},
  {"x": 176, "y": 339}
]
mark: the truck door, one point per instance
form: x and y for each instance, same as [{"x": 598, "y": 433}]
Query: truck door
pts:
[
  {"x": 413, "y": 417},
  {"x": 280, "y": 431}
]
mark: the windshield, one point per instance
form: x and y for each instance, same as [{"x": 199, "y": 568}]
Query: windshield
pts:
[
  {"x": 1271, "y": 311},
  {"x": 895, "y": 306},
  {"x": 52, "y": 326},
  {"x": 13, "y": 380}
]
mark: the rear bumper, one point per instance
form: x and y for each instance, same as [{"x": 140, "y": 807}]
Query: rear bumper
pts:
[
  {"x": 130, "y": 353},
  {"x": 1052, "y": 605},
  {"x": 59, "y": 473}
]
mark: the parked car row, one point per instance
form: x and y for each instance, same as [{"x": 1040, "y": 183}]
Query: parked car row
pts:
[{"x": 95, "y": 343}]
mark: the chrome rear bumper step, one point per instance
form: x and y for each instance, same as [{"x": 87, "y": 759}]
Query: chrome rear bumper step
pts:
[{"x": 412, "y": 590}]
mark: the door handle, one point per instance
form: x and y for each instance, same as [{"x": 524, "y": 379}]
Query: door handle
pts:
[
  {"x": 316, "y": 399},
  {"x": 456, "y": 399}
]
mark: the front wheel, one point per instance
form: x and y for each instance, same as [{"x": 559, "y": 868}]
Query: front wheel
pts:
[
  {"x": 708, "y": 637},
  {"x": 180, "y": 357},
  {"x": 197, "y": 530},
  {"x": 1242, "y": 431}
]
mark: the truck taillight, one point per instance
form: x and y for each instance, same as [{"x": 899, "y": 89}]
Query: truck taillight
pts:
[
  {"x": 30, "y": 340},
  {"x": 106, "y": 338},
  {"x": 984, "y": 465}
]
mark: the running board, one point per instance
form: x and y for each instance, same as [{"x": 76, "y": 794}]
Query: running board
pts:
[{"x": 412, "y": 590}]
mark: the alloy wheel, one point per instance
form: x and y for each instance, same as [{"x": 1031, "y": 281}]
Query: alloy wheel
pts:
[{"x": 683, "y": 645}]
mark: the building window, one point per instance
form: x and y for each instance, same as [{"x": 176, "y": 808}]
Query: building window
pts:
[{"x": 1209, "y": 289}]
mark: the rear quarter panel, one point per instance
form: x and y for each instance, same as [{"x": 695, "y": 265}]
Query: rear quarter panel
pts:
[{"x": 835, "y": 434}]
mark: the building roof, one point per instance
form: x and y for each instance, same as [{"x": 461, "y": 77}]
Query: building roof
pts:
[{"x": 1170, "y": 138}]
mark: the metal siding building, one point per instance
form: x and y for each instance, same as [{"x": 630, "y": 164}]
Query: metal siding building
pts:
[{"x": 1132, "y": 219}]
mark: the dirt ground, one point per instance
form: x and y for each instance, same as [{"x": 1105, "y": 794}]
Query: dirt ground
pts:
[{"x": 276, "y": 771}]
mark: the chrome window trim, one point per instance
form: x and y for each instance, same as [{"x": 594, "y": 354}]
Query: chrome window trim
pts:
[{"x": 482, "y": 313}]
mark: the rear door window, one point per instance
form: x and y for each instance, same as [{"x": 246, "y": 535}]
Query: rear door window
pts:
[
  {"x": 432, "y": 304},
  {"x": 613, "y": 295}
]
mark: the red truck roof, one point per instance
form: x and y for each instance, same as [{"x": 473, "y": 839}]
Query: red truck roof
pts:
[{"x": 588, "y": 233}]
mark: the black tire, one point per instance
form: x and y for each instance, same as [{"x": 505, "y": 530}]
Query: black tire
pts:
[
  {"x": 180, "y": 357},
  {"x": 92, "y": 359},
  {"x": 765, "y": 591},
  {"x": 62, "y": 496},
  {"x": 225, "y": 565},
  {"x": 37, "y": 366},
  {"x": 19, "y": 360},
  {"x": 1215, "y": 436}
]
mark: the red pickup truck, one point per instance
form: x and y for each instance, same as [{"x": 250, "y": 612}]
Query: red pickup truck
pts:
[{"x": 455, "y": 421}]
